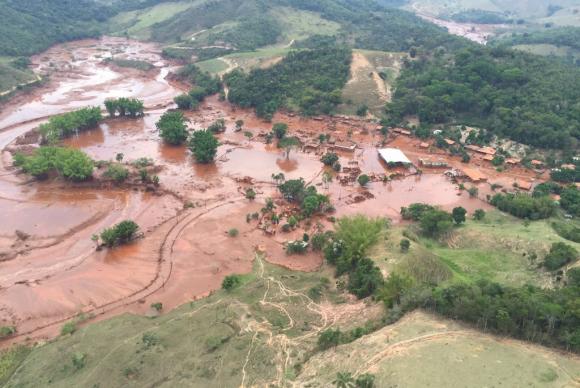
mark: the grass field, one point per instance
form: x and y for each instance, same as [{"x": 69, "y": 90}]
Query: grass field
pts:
[
  {"x": 263, "y": 57},
  {"x": 137, "y": 23},
  {"x": 11, "y": 77},
  {"x": 298, "y": 25},
  {"x": 497, "y": 248},
  {"x": 423, "y": 351}
]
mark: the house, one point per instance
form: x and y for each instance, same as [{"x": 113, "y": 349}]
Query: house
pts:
[
  {"x": 344, "y": 146},
  {"x": 481, "y": 150},
  {"x": 402, "y": 131},
  {"x": 537, "y": 163},
  {"x": 512, "y": 161},
  {"x": 569, "y": 166},
  {"x": 489, "y": 158},
  {"x": 394, "y": 156},
  {"x": 424, "y": 145},
  {"x": 524, "y": 185},
  {"x": 449, "y": 141},
  {"x": 474, "y": 175}
]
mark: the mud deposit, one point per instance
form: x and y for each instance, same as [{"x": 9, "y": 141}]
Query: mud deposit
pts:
[{"x": 49, "y": 268}]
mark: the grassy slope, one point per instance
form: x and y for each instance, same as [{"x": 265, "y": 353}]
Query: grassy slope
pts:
[
  {"x": 424, "y": 351},
  {"x": 11, "y": 77}
]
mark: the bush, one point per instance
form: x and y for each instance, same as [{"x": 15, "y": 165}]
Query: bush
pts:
[
  {"x": 233, "y": 232},
  {"x": 329, "y": 158},
  {"x": 68, "y": 328},
  {"x": 479, "y": 214},
  {"x": 65, "y": 125},
  {"x": 7, "y": 331},
  {"x": 79, "y": 360},
  {"x": 118, "y": 173},
  {"x": 363, "y": 180},
  {"x": 121, "y": 233},
  {"x": 435, "y": 222},
  {"x": 172, "y": 128},
  {"x": 365, "y": 279},
  {"x": 560, "y": 255},
  {"x": 458, "y": 215},
  {"x": 157, "y": 306},
  {"x": 405, "y": 245},
  {"x": 124, "y": 106},
  {"x": 72, "y": 164},
  {"x": 217, "y": 126},
  {"x": 329, "y": 338},
  {"x": 231, "y": 281},
  {"x": 415, "y": 211},
  {"x": 184, "y": 101},
  {"x": 524, "y": 206},
  {"x": 250, "y": 194},
  {"x": 204, "y": 146}
]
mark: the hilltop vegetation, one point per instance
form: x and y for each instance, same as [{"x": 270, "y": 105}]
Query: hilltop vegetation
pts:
[{"x": 515, "y": 95}]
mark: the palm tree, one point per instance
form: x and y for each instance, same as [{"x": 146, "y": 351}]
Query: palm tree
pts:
[{"x": 344, "y": 380}]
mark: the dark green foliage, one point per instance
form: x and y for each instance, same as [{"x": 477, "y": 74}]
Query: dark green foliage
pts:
[
  {"x": 329, "y": 338},
  {"x": 573, "y": 276},
  {"x": 172, "y": 128},
  {"x": 435, "y": 222},
  {"x": 329, "y": 158},
  {"x": 251, "y": 33},
  {"x": 365, "y": 279},
  {"x": 280, "y": 130},
  {"x": 524, "y": 206},
  {"x": 565, "y": 175},
  {"x": 560, "y": 254},
  {"x": 547, "y": 188},
  {"x": 203, "y": 145},
  {"x": 30, "y": 26},
  {"x": 121, "y": 233},
  {"x": 363, "y": 180},
  {"x": 366, "y": 380},
  {"x": 7, "y": 331},
  {"x": 479, "y": 16},
  {"x": 67, "y": 124},
  {"x": 217, "y": 126},
  {"x": 309, "y": 80},
  {"x": 513, "y": 94},
  {"x": 394, "y": 288},
  {"x": 184, "y": 101},
  {"x": 130, "y": 107},
  {"x": 205, "y": 84},
  {"x": 563, "y": 36},
  {"x": 479, "y": 214},
  {"x": 296, "y": 247},
  {"x": 405, "y": 245},
  {"x": 546, "y": 316},
  {"x": 231, "y": 281},
  {"x": 72, "y": 164},
  {"x": 568, "y": 231},
  {"x": 458, "y": 215},
  {"x": 415, "y": 211},
  {"x": 293, "y": 190}
]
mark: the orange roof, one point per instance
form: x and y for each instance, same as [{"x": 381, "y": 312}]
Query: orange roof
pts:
[
  {"x": 488, "y": 157},
  {"x": 487, "y": 150},
  {"x": 424, "y": 145},
  {"x": 524, "y": 185},
  {"x": 537, "y": 162},
  {"x": 449, "y": 141},
  {"x": 512, "y": 161},
  {"x": 569, "y": 166},
  {"x": 474, "y": 175}
]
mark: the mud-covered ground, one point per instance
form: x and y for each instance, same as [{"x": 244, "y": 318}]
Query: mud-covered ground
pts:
[{"x": 49, "y": 268}]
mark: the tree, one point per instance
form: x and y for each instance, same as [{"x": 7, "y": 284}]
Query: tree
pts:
[
  {"x": 288, "y": 144},
  {"x": 217, "y": 126},
  {"x": 329, "y": 158},
  {"x": 458, "y": 215},
  {"x": 172, "y": 128},
  {"x": 239, "y": 125},
  {"x": 344, "y": 380},
  {"x": 560, "y": 255},
  {"x": 121, "y": 233},
  {"x": 184, "y": 101},
  {"x": 293, "y": 190},
  {"x": 366, "y": 380},
  {"x": 111, "y": 107},
  {"x": 479, "y": 214},
  {"x": 231, "y": 281},
  {"x": 280, "y": 130},
  {"x": 362, "y": 110},
  {"x": 405, "y": 245},
  {"x": 394, "y": 288},
  {"x": 365, "y": 279},
  {"x": 473, "y": 191},
  {"x": 363, "y": 180},
  {"x": 203, "y": 145},
  {"x": 436, "y": 222},
  {"x": 329, "y": 338}
]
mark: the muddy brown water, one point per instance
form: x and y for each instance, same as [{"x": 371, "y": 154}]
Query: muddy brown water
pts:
[{"x": 55, "y": 272}]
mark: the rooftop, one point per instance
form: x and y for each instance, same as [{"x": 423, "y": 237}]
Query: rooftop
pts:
[{"x": 393, "y": 155}]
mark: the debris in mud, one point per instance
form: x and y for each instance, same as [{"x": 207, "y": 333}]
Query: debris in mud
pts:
[{"x": 22, "y": 236}]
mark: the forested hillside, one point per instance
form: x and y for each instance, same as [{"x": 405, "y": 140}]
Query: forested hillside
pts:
[{"x": 521, "y": 96}]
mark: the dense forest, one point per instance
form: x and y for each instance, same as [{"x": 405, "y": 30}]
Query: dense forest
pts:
[
  {"x": 310, "y": 81},
  {"x": 480, "y": 17},
  {"x": 520, "y": 96},
  {"x": 563, "y": 36}
]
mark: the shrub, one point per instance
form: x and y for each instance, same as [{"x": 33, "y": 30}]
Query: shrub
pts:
[
  {"x": 121, "y": 233},
  {"x": 7, "y": 331},
  {"x": 79, "y": 360},
  {"x": 415, "y": 211},
  {"x": 280, "y": 130},
  {"x": 363, "y": 180},
  {"x": 458, "y": 215},
  {"x": 117, "y": 172},
  {"x": 68, "y": 328},
  {"x": 365, "y": 279},
  {"x": 204, "y": 146},
  {"x": 231, "y": 281},
  {"x": 436, "y": 222},
  {"x": 405, "y": 245},
  {"x": 479, "y": 214},
  {"x": 157, "y": 306},
  {"x": 250, "y": 194},
  {"x": 329, "y": 338},
  {"x": 233, "y": 232},
  {"x": 172, "y": 128},
  {"x": 329, "y": 158},
  {"x": 184, "y": 101},
  {"x": 560, "y": 254}
]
